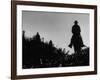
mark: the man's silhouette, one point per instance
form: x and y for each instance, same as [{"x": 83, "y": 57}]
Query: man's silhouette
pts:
[{"x": 76, "y": 40}]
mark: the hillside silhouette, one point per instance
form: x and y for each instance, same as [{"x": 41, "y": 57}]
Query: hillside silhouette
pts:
[{"x": 39, "y": 54}]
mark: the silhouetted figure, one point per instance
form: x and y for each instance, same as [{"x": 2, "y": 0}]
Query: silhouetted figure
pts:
[
  {"x": 36, "y": 53},
  {"x": 76, "y": 40}
]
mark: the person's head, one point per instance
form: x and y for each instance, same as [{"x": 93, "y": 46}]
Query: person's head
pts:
[{"x": 76, "y": 22}]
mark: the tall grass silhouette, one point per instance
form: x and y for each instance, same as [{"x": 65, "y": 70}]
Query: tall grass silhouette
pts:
[{"x": 39, "y": 54}]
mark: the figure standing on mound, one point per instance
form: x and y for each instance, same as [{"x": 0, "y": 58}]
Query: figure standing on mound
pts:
[{"x": 76, "y": 40}]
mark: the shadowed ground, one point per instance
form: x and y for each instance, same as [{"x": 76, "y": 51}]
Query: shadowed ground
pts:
[{"x": 39, "y": 54}]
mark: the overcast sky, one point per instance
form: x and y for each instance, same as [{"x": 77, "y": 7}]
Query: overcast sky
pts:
[{"x": 55, "y": 26}]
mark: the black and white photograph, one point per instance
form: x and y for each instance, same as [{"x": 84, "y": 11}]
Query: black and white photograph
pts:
[{"x": 55, "y": 39}]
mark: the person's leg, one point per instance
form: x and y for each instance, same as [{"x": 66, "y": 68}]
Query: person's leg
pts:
[
  {"x": 81, "y": 41},
  {"x": 71, "y": 42},
  {"x": 78, "y": 51},
  {"x": 75, "y": 49}
]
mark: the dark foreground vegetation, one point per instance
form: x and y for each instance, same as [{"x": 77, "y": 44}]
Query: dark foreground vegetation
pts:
[{"x": 39, "y": 54}]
